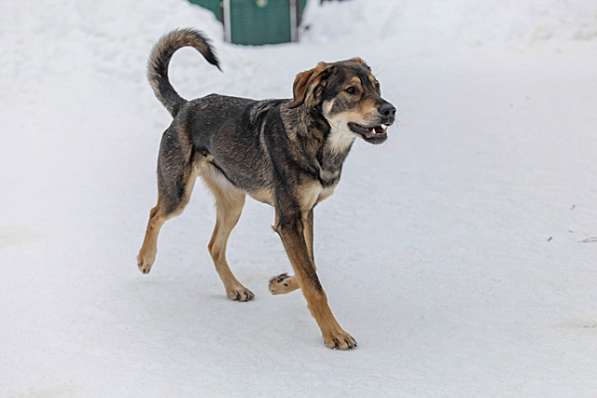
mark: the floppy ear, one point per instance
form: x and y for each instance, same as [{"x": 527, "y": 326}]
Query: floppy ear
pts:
[{"x": 305, "y": 82}]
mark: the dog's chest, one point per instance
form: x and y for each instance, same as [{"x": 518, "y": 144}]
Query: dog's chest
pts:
[
  {"x": 309, "y": 194},
  {"x": 326, "y": 192},
  {"x": 313, "y": 192}
]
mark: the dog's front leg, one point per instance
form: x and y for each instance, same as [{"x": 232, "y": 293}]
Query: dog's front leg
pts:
[
  {"x": 284, "y": 283},
  {"x": 290, "y": 228}
]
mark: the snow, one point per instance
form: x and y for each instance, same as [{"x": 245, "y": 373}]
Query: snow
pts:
[{"x": 461, "y": 254}]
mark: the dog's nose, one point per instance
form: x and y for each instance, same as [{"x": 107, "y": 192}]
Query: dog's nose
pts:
[{"x": 387, "y": 110}]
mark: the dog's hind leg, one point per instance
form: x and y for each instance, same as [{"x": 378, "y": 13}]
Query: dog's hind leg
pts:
[
  {"x": 177, "y": 171},
  {"x": 284, "y": 283},
  {"x": 229, "y": 205},
  {"x": 147, "y": 253}
]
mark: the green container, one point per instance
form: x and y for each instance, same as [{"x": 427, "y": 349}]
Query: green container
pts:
[
  {"x": 258, "y": 21},
  {"x": 255, "y": 22}
]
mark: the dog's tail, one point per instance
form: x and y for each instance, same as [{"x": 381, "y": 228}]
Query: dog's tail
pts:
[{"x": 157, "y": 67}]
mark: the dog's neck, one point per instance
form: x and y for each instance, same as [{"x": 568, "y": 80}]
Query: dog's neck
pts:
[
  {"x": 326, "y": 143},
  {"x": 340, "y": 138}
]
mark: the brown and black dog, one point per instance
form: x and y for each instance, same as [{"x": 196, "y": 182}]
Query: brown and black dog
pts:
[{"x": 287, "y": 153}]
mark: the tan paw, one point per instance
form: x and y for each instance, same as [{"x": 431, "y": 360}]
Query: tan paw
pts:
[
  {"x": 145, "y": 261},
  {"x": 340, "y": 340},
  {"x": 240, "y": 293},
  {"x": 282, "y": 284}
]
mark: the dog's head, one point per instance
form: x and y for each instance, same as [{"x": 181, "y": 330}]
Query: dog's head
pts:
[{"x": 348, "y": 96}]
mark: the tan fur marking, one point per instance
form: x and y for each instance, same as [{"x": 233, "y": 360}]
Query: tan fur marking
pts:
[
  {"x": 263, "y": 196},
  {"x": 229, "y": 205},
  {"x": 356, "y": 81},
  {"x": 308, "y": 195},
  {"x": 325, "y": 193}
]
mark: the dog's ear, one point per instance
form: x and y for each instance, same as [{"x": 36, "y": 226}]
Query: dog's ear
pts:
[{"x": 305, "y": 84}]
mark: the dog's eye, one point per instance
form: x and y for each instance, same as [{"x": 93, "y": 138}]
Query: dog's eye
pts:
[{"x": 351, "y": 90}]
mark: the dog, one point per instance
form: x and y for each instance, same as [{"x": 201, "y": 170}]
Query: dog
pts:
[{"x": 287, "y": 153}]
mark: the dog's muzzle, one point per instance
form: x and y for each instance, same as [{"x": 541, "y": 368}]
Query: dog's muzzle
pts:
[{"x": 376, "y": 133}]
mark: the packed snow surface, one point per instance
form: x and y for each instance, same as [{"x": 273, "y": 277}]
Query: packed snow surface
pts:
[{"x": 462, "y": 253}]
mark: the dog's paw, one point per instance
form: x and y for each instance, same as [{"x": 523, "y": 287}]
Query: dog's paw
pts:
[
  {"x": 282, "y": 284},
  {"x": 339, "y": 340},
  {"x": 145, "y": 261},
  {"x": 240, "y": 293}
]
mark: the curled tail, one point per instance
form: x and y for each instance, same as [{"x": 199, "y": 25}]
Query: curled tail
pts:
[{"x": 157, "y": 67}]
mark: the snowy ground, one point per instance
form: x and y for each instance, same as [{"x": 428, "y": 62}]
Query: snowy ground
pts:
[{"x": 482, "y": 206}]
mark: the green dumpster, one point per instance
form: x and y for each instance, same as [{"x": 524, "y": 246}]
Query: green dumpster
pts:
[{"x": 255, "y": 22}]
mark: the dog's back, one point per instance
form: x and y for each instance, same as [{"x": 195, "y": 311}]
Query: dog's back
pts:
[{"x": 225, "y": 129}]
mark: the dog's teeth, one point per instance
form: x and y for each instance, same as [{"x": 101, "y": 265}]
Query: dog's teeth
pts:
[{"x": 384, "y": 126}]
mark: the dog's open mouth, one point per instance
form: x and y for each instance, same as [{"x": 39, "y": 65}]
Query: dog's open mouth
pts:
[{"x": 373, "y": 134}]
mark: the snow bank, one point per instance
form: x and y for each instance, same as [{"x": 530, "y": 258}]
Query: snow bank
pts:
[{"x": 453, "y": 23}]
